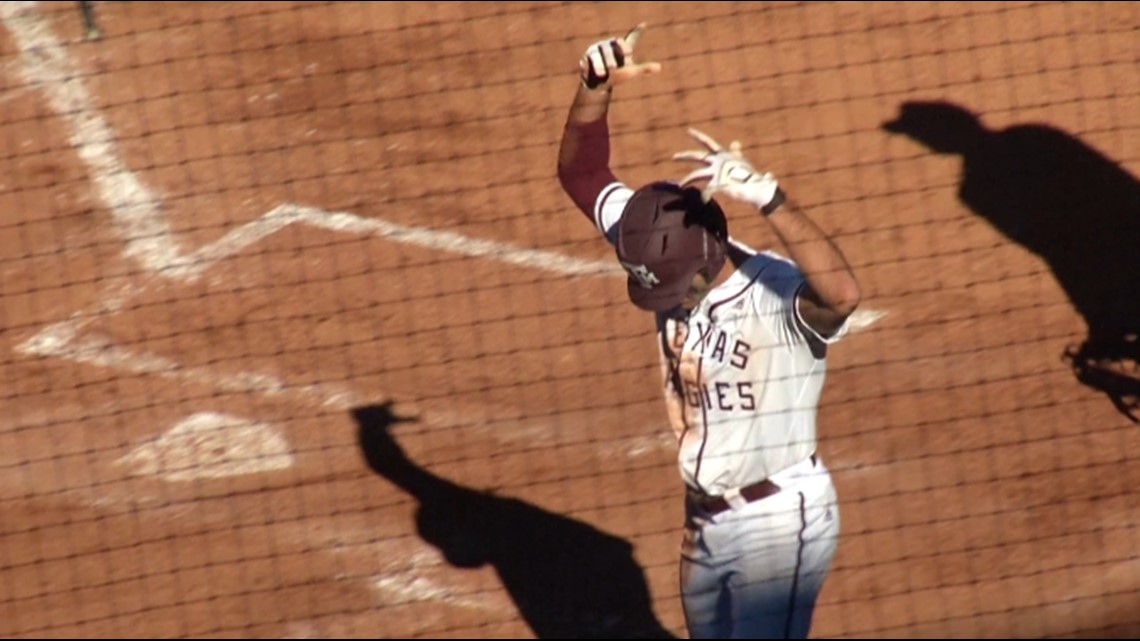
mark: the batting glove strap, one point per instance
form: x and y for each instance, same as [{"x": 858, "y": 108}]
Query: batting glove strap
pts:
[
  {"x": 778, "y": 199},
  {"x": 600, "y": 60}
]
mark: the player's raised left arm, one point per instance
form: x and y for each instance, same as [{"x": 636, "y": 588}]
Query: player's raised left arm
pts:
[{"x": 832, "y": 292}]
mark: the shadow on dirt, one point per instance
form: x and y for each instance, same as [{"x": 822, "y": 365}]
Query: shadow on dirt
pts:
[
  {"x": 1067, "y": 203},
  {"x": 568, "y": 579}
]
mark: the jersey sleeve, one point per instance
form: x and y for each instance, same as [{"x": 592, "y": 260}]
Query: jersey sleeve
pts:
[
  {"x": 609, "y": 207},
  {"x": 778, "y": 300},
  {"x": 808, "y": 330}
]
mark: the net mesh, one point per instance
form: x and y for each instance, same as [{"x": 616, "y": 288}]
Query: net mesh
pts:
[{"x": 300, "y": 336}]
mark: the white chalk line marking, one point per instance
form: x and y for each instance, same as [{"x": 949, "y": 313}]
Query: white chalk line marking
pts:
[
  {"x": 448, "y": 241},
  {"x": 135, "y": 209}
]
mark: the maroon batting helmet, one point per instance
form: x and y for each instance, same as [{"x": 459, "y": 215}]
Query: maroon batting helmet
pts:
[{"x": 666, "y": 235}]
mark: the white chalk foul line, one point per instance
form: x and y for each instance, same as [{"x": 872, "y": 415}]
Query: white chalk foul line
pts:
[
  {"x": 345, "y": 222},
  {"x": 135, "y": 209}
]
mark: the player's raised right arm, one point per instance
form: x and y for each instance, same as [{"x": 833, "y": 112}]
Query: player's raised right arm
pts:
[{"x": 584, "y": 153}]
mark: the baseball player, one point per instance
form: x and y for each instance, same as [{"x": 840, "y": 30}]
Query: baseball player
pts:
[{"x": 743, "y": 338}]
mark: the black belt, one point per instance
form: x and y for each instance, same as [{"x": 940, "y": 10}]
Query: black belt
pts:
[{"x": 713, "y": 505}]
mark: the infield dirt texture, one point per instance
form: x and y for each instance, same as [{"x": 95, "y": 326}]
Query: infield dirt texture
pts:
[{"x": 242, "y": 243}]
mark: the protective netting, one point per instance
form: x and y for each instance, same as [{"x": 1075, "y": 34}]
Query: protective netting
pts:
[{"x": 301, "y": 337}]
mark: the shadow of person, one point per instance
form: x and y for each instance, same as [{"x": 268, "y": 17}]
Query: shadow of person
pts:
[
  {"x": 1068, "y": 204},
  {"x": 567, "y": 578}
]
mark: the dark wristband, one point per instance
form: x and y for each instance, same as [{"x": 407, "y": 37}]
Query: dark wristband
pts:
[{"x": 777, "y": 200}]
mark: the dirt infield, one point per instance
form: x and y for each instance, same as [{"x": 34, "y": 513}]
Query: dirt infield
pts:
[{"x": 301, "y": 338}]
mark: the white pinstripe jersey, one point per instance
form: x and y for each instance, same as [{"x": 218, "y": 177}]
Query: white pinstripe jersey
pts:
[{"x": 742, "y": 374}]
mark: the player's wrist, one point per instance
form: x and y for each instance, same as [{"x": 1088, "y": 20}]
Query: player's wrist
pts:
[
  {"x": 597, "y": 93},
  {"x": 589, "y": 106},
  {"x": 594, "y": 85},
  {"x": 774, "y": 203}
]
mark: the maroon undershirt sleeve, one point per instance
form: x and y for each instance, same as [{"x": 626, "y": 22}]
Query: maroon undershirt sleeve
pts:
[{"x": 588, "y": 172}]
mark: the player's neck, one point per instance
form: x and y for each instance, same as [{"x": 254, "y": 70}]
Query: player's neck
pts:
[{"x": 736, "y": 258}]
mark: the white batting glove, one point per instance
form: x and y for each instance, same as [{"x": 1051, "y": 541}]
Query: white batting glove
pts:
[
  {"x": 610, "y": 62},
  {"x": 729, "y": 172}
]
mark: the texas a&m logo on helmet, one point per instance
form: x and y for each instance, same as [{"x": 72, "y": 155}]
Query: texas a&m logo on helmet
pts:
[{"x": 645, "y": 278}]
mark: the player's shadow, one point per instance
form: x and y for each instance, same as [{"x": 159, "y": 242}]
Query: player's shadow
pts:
[
  {"x": 1070, "y": 205},
  {"x": 567, "y": 578}
]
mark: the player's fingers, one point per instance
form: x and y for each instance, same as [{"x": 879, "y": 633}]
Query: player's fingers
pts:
[
  {"x": 630, "y": 40},
  {"x": 597, "y": 63},
  {"x": 695, "y": 155},
  {"x": 697, "y": 175},
  {"x": 705, "y": 140},
  {"x": 735, "y": 147},
  {"x": 632, "y": 71},
  {"x": 609, "y": 56},
  {"x": 647, "y": 68}
]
